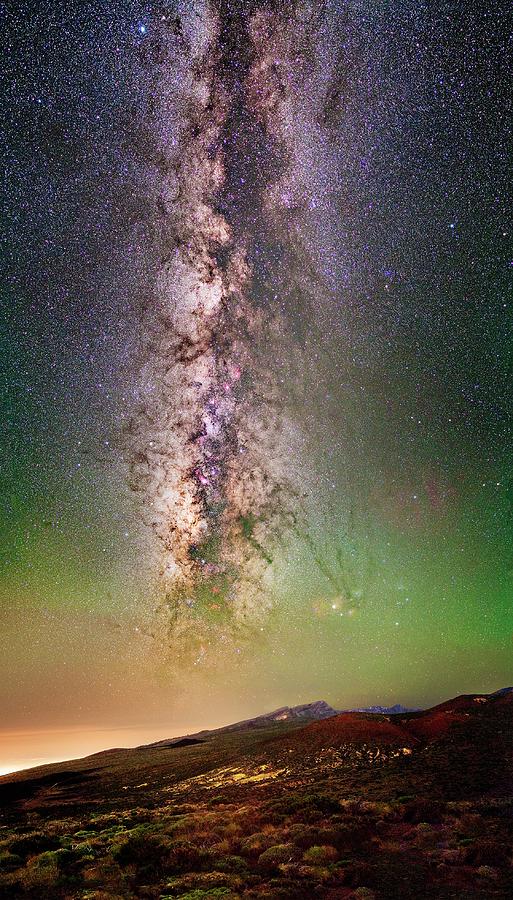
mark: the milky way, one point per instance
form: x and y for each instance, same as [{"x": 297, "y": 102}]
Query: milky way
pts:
[
  {"x": 213, "y": 443},
  {"x": 258, "y": 114}
]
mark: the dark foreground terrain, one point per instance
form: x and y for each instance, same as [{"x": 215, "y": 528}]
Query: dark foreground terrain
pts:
[{"x": 412, "y": 805}]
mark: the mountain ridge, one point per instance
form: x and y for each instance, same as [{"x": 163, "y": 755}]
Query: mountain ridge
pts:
[
  {"x": 422, "y": 724},
  {"x": 316, "y": 710}
]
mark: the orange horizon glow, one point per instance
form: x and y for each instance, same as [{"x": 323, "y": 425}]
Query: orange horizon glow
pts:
[{"x": 25, "y": 749}]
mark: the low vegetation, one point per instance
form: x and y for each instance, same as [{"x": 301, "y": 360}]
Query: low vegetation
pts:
[
  {"x": 436, "y": 824},
  {"x": 322, "y": 846}
]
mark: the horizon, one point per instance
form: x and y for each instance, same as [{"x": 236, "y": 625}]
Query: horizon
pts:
[{"x": 153, "y": 735}]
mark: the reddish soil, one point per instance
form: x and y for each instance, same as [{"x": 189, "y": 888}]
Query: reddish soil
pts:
[{"x": 355, "y": 728}]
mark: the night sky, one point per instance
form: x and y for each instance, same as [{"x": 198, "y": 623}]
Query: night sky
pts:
[{"x": 256, "y": 346}]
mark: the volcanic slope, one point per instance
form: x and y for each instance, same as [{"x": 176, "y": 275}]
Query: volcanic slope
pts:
[{"x": 349, "y": 805}]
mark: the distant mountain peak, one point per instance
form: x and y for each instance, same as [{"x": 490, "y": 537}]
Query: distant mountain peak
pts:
[
  {"x": 502, "y": 692},
  {"x": 395, "y": 710},
  {"x": 319, "y": 709}
]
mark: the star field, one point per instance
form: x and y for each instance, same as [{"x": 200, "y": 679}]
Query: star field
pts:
[{"x": 256, "y": 335}]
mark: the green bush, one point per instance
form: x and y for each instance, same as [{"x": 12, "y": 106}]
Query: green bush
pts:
[
  {"x": 275, "y": 856},
  {"x": 53, "y": 859},
  {"x": 144, "y": 851},
  {"x": 231, "y": 864},
  {"x": 84, "y": 850},
  {"x": 320, "y": 855},
  {"x": 113, "y": 830},
  {"x": 258, "y": 842},
  {"x": 310, "y": 806}
]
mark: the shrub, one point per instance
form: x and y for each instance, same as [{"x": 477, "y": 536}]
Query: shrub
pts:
[
  {"x": 353, "y": 833},
  {"x": 272, "y": 858},
  {"x": 471, "y": 824},
  {"x": 105, "y": 872},
  {"x": 284, "y": 888},
  {"x": 209, "y": 838},
  {"x": 32, "y": 844},
  {"x": 257, "y": 843},
  {"x": 304, "y": 836},
  {"x": 231, "y": 829},
  {"x": 113, "y": 830},
  {"x": 488, "y": 853},
  {"x": 39, "y": 881},
  {"x": 185, "y": 856},
  {"x": 451, "y": 855},
  {"x": 356, "y": 872},
  {"x": 233, "y": 864},
  {"x": 200, "y": 894},
  {"x": 421, "y": 810},
  {"x": 144, "y": 851},
  {"x": 10, "y": 861},
  {"x": 84, "y": 850},
  {"x": 320, "y": 855},
  {"x": 309, "y": 806},
  {"x": 53, "y": 859},
  {"x": 487, "y": 872},
  {"x": 426, "y": 835},
  {"x": 179, "y": 885}
]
